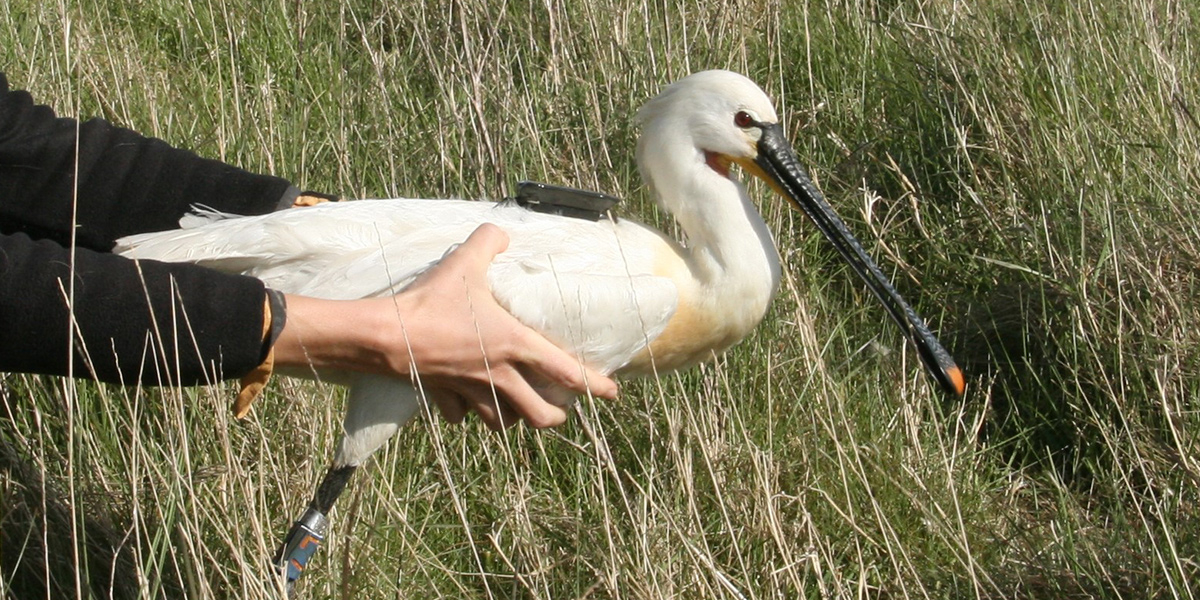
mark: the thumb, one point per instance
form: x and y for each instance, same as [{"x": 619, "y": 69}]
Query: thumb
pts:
[{"x": 481, "y": 247}]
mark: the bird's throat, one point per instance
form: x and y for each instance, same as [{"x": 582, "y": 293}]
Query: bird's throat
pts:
[{"x": 717, "y": 162}]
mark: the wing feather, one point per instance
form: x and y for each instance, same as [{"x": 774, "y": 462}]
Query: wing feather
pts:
[{"x": 589, "y": 287}]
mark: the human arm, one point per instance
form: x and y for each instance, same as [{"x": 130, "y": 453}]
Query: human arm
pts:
[
  {"x": 461, "y": 342},
  {"x": 64, "y": 183},
  {"x": 135, "y": 322},
  {"x": 153, "y": 323}
]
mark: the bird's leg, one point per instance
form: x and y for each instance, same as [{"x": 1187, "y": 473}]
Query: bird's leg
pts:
[
  {"x": 375, "y": 409},
  {"x": 308, "y": 532}
]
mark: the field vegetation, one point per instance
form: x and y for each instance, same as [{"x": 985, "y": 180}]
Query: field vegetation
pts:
[{"x": 1027, "y": 173}]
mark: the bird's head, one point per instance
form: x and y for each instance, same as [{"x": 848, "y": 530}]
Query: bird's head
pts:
[
  {"x": 718, "y": 113},
  {"x": 720, "y": 118}
]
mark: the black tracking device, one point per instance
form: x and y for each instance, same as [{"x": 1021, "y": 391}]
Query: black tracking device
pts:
[{"x": 565, "y": 201}]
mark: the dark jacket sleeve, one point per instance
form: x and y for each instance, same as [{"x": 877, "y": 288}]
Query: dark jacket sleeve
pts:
[
  {"x": 119, "y": 182},
  {"x": 135, "y": 322}
]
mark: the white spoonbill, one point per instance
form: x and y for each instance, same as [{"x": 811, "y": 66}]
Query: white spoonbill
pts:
[{"x": 622, "y": 296}]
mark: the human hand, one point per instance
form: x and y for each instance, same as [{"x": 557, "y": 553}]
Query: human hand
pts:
[
  {"x": 310, "y": 198},
  {"x": 294, "y": 198},
  {"x": 467, "y": 352}
]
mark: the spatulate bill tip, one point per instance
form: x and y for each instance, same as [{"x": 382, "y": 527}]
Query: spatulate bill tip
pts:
[{"x": 955, "y": 384}]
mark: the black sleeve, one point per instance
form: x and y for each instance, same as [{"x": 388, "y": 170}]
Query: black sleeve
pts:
[
  {"x": 135, "y": 322},
  {"x": 119, "y": 181}
]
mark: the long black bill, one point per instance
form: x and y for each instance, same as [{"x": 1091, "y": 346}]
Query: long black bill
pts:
[{"x": 780, "y": 166}]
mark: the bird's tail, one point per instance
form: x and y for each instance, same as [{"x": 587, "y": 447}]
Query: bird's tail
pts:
[{"x": 201, "y": 215}]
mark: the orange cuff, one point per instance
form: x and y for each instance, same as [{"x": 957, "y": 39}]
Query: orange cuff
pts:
[
  {"x": 253, "y": 384},
  {"x": 254, "y": 381}
]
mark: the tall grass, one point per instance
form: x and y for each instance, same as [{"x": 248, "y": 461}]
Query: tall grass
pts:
[{"x": 1026, "y": 171}]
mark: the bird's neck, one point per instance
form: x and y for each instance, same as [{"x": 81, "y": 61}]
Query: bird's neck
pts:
[{"x": 729, "y": 249}]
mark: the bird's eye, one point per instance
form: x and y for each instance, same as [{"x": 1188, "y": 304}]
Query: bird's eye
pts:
[{"x": 743, "y": 119}]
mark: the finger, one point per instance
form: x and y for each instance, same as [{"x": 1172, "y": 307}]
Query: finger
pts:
[
  {"x": 479, "y": 249},
  {"x": 451, "y": 404},
  {"x": 310, "y": 198},
  {"x": 484, "y": 403},
  {"x": 551, "y": 392},
  {"x": 508, "y": 416},
  {"x": 556, "y": 366},
  {"x": 525, "y": 401}
]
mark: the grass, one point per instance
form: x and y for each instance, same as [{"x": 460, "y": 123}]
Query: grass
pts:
[{"x": 1026, "y": 172}]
